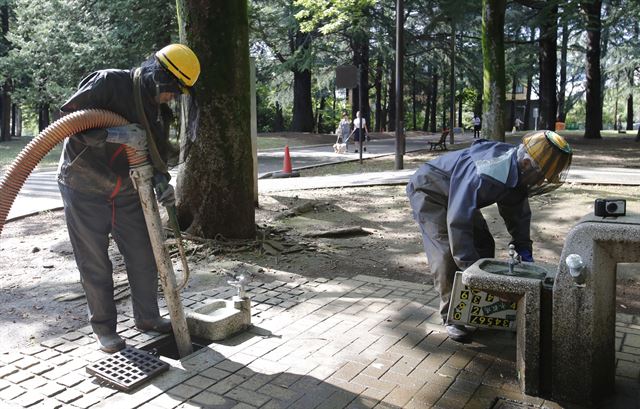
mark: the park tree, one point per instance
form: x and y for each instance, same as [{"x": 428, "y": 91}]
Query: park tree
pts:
[
  {"x": 55, "y": 44},
  {"x": 493, "y": 15},
  {"x": 593, "y": 121},
  {"x": 278, "y": 35},
  {"x": 215, "y": 187},
  {"x": 5, "y": 87}
]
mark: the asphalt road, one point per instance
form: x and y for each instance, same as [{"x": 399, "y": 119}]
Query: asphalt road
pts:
[{"x": 40, "y": 191}]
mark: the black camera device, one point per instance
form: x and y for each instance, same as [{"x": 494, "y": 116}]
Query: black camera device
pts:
[{"x": 610, "y": 207}]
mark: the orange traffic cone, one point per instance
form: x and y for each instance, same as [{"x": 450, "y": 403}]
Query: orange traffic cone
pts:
[
  {"x": 287, "y": 170},
  {"x": 286, "y": 163}
]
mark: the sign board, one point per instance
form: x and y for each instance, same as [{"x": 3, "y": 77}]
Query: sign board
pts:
[
  {"x": 346, "y": 76},
  {"x": 535, "y": 112},
  {"x": 479, "y": 308}
]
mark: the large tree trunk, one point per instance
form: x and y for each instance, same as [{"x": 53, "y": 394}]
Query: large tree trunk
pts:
[
  {"x": 361, "y": 59},
  {"x": 5, "y": 97},
  {"x": 493, "y": 12},
  {"x": 215, "y": 187},
  {"x": 378, "y": 90},
  {"x": 414, "y": 101},
  {"x": 391, "y": 111},
  {"x": 302, "y": 120},
  {"x": 44, "y": 118},
  {"x": 548, "y": 66},
  {"x": 563, "y": 69},
  {"x": 5, "y": 113},
  {"x": 593, "y": 120}
]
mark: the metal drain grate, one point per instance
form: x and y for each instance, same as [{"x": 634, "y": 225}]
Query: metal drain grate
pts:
[
  {"x": 504, "y": 403},
  {"x": 128, "y": 368}
]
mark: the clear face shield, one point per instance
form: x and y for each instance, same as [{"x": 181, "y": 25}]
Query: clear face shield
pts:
[
  {"x": 178, "y": 114},
  {"x": 540, "y": 180}
]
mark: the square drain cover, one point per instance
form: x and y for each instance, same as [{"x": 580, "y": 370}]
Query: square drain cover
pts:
[
  {"x": 504, "y": 403},
  {"x": 128, "y": 368}
]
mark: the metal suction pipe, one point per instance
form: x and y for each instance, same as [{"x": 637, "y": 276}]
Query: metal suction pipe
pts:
[{"x": 142, "y": 176}]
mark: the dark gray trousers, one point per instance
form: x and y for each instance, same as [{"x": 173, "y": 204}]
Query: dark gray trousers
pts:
[
  {"x": 435, "y": 238},
  {"x": 90, "y": 219}
]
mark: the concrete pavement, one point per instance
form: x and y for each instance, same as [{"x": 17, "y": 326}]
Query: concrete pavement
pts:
[{"x": 363, "y": 342}]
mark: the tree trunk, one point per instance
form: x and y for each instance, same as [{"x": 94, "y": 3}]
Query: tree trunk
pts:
[
  {"x": 414, "y": 102},
  {"x": 17, "y": 121},
  {"x": 512, "y": 116},
  {"x": 593, "y": 120},
  {"x": 434, "y": 101},
  {"x": 493, "y": 14},
  {"x": 548, "y": 66},
  {"x": 302, "y": 120},
  {"x": 5, "y": 113},
  {"x": 361, "y": 59},
  {"x": 323, "y": 103},
  {"x": 278, "y": 120},
  {"x": 427, "y": 112},
  {"x": 527, "y": 104},
  {"x": 43, "y": 116},
  {"x": 563, "y": 69},
  {"x": 630, "y": 103},
  {"x": 392, "y": 100},
  {"x": 445, "y": 105},
  {"x": 215, "y": 186},
  {"x": 378, "y": 90}
]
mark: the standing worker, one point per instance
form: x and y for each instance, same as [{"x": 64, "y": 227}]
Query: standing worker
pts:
[
  {"x": 447, "y": 193},
  {"x": 98, "y": 194}
]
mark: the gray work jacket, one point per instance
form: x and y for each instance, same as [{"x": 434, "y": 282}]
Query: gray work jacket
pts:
[{"x": 89, "y": 164}]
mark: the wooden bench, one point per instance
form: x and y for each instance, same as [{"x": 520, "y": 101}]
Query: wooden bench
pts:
[{"x": 441, "y": 144}]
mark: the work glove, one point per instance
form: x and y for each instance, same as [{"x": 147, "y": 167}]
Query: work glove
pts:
[
  {"x": 167, "y": 196},
  {"x": 132, "y": 135},
  {"x": 525, "y": 255}
]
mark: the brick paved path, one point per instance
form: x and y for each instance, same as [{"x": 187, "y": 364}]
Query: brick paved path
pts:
[{"x": 363, "y": 342}]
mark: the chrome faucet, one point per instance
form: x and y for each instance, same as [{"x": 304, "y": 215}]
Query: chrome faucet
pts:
[
  {"x": 514, "y": 258},
  {"x": 240, "y": 282}
]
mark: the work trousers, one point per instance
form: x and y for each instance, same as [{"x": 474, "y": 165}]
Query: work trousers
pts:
[
  {"x": 435, "y": 238},
  {"x": 90, "y": 219}
]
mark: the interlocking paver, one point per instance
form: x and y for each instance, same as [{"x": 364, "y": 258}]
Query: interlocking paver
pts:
[{"x": 12, "y": 392}]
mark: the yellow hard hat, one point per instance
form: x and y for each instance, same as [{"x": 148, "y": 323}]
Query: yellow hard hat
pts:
[
  {"x": 180, "y": 61},
  {"x": 551, "y": 152}
]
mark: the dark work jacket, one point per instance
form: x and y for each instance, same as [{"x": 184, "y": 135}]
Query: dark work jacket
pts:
[
  {"x": 467, "y": 180},
  {"x": 88, "y": 163}
]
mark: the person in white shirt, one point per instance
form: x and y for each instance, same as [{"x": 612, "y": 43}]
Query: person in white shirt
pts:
[
  {"x": 358, "y": 123},
  {"x": 476, "y": 126}
]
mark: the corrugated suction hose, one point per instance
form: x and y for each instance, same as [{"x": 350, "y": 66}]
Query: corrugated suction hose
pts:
[{"x": 52, "y": 135}]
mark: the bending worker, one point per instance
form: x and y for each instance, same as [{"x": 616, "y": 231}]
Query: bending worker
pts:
[
  {"x": 447, "y": 193},
  {"x": 98, "y": 194}
]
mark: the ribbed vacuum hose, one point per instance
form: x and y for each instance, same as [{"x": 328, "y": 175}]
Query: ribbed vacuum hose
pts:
[{"x": 55, "y": 133}]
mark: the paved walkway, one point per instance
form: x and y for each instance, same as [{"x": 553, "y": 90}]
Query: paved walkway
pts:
[{"x": 363, "y": 342}]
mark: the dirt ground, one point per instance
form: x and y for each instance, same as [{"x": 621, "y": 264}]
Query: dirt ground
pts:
[{"x": 40, "y": 293}]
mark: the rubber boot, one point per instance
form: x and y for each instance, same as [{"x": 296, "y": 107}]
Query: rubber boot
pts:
[
  {"x": 159, "y": 324},
  {"x": 110, "y": 343}
]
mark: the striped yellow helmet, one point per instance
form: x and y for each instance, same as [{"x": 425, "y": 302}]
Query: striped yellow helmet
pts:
[
  {"x": 180, "y": 61},
  {"x": 551, "y": 153}
]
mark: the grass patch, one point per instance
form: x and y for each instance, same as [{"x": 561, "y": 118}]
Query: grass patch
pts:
[{"x": 9, "y": 152}]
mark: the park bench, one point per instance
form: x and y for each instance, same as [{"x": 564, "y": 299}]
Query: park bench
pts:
[{"x": 440, "y": 144}]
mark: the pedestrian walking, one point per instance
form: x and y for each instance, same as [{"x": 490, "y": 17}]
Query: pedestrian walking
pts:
[{"x": 476, "y": 121}]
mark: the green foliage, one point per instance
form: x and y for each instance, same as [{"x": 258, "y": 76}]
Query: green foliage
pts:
[{"x": 55, "y": 43}]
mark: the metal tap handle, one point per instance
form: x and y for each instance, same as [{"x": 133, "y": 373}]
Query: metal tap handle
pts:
[
  {"x": 240, "y": 283},
  {"x": 514, "y": 257}
]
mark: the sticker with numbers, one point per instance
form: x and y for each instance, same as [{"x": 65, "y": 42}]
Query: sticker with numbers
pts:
[{"x": 478, "y": 308}]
